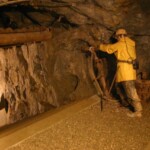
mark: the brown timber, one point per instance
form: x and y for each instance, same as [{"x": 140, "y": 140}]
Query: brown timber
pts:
[{"x": 24, "y": 37}]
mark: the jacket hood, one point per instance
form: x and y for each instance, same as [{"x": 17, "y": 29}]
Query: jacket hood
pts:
[{"x": 128, "y": 41}]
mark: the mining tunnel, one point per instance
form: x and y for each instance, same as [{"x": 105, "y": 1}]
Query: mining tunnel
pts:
[{"x": 44, "y": 57}]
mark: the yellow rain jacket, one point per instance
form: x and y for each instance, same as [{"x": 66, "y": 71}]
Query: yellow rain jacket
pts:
[{"x": 124, "y": 50}]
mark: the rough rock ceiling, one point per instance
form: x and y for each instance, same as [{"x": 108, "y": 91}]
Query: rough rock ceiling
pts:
[{"x": 109, "y": 14}]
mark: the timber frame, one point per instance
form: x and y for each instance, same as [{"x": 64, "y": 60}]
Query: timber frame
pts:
[{"x": 25, "y": 36}]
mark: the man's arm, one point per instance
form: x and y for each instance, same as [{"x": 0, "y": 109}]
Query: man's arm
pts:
[{"x": 109, "y": 48}]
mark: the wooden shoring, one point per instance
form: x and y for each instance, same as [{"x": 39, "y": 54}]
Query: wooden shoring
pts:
[{"x": 24, "y": 37}]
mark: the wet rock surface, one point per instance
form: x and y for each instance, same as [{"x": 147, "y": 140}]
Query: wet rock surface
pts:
[
  {"x": 36, "y": 80},
  {"x": 91, "y": 129}
]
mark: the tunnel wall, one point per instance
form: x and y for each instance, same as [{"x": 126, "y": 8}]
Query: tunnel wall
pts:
[{"x": 37, "y": 77}]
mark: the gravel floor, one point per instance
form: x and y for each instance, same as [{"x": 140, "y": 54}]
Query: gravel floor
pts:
[{"x": 92, "y": 129}]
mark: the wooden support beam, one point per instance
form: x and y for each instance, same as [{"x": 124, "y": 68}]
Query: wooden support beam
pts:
[
  {"x": 23, "y": 30},
  {"x": 24, "y": 37}
]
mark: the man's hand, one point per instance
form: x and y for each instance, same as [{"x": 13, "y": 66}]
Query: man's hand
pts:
[{"x": 92, "y": 49}]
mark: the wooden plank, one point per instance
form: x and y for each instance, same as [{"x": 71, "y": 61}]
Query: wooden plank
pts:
[
  {"x": 23, "y": 30},
  {"x": 25, "y": 37}
]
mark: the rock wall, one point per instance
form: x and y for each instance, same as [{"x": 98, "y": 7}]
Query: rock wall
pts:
[{"x": 36, "y": 77}]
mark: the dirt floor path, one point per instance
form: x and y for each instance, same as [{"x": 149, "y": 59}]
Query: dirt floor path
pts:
[{"x": 91, "y": 129}]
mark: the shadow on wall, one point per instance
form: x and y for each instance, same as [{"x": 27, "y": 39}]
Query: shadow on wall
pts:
[
  {"x": 3, "y": 111},
  {"x": 3, "y": 103}
]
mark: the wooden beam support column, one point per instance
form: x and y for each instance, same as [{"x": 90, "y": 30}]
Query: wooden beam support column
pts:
[{"x": 24, "y": 37}]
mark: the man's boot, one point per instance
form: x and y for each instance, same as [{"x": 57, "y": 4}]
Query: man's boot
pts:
[
  {"x": 138, "y": 110},
  {"x": 137, "y": 114}
]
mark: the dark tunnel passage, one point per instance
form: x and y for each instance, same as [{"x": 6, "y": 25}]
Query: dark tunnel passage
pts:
[
  {"x": 43, "y": 57},
  {"x": 145, "y": 5}
]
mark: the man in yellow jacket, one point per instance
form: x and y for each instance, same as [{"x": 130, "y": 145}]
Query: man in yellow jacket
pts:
[{"x": 124, "y": 50}]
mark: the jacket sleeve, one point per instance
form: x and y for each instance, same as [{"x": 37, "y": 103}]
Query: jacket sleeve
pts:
[{"x": 109, "y": 48}]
